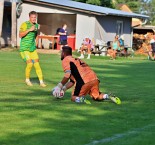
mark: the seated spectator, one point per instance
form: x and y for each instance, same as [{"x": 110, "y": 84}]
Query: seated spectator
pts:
[
  {"x": 147, "y": 47},
  {"x": 87, "y": 45},
  {"x": 152, "y": 47},
  {"x": 123, "y": 49},
  {"x": 115, "y": 47}
]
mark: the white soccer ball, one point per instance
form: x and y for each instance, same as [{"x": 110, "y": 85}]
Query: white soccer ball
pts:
[{"x": 56, "y": 94}]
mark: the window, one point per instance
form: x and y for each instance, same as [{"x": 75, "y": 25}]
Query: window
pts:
[{"x": 119, "y": 28}]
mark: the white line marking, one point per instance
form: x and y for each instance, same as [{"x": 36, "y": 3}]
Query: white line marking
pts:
[{"x": 121, "y": 135}]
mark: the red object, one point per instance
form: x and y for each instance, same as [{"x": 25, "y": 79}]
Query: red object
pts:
[
  {"x": 57, "y": 41},
  {"x": 71, "y": 41}
]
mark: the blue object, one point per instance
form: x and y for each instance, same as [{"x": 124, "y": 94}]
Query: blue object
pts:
[{"x": 93, "y": 8}]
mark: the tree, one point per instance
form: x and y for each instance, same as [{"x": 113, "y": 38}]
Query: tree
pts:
[
  {"x": 104, "y": 3},
  {"x": 139, "y": 6},
  {"x": 1, "y": 19},
  {"x": 132, "y": 4},
  {"x": 152, "y": 12}
]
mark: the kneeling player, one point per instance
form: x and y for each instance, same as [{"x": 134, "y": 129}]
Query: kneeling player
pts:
[{"x": 82, "y": 77}]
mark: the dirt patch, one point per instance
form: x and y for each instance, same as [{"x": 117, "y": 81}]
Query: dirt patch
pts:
[
  {"x": 48, "y": 51},
  {"x": 9, "y": 49},
  {"x": 44, "y": 51}
]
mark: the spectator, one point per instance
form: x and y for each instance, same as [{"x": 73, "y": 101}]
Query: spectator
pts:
[
  {"x": 115, "y": 47},
  {"x": 86, "y": 45},
  {"x": 152, "y": 46},
  {"x": 63, "y": 35}
]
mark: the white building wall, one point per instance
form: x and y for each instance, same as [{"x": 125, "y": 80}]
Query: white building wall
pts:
[
  {"x": 85, "y": 26},
  {"x": 106, "y": 28}
]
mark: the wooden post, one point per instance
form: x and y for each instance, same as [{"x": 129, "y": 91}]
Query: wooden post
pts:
[
  {"x": 14, "y": 25},
  {"x": 1, "y": 19}
]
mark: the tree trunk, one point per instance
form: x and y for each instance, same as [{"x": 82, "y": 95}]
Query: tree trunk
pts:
[
  {"x": 1, "y": 19},
  {"x": 14, "y": 26}
]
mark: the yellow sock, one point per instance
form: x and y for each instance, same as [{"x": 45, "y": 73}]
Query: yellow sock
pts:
[
  {"x": 38, "y": 70},
  {"x": 28, "y": 70}
]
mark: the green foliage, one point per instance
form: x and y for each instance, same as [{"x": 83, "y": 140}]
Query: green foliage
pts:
[
  {"x": 146, "y": 7},
  {"x": 84, "y": 1},
  {"x": 152, "y": 12},
  {"x": 104, "y": 3},
  {"x": 134, "y": 6},
  {"x": 120, "y": 1},
  {"x": 94, "y": 2}
]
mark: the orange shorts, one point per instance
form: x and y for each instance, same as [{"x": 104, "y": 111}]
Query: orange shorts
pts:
[{"x": 91, "y": 88}]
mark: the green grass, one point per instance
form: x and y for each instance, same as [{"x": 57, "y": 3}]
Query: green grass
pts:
[{"x": 31, "y": 116}]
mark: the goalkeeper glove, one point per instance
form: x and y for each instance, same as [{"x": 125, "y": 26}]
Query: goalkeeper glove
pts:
[{"x": 57, "y": 91}]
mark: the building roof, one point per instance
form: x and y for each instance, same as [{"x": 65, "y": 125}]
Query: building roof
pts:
[
  {"x": 88, "y": 8},
  {"x": 124, "y": 7}
]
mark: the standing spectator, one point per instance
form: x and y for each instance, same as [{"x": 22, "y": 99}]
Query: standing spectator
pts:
[
  {"x": 86, "y": 45},
  {"x": 28, "y": 34},
  {"x": 63, "y": 35}
]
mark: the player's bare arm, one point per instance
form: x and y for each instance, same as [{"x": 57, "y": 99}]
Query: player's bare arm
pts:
[
  {"x": 64, "y": 81},
  {"x": 69, "y": 85}
]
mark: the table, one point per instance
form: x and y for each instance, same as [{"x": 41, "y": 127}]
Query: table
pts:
[
  {"x": 98, "y": 50},
  {"x": 51, "y": 38}
]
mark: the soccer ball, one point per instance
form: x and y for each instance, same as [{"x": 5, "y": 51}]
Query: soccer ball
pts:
[{"x": 56, "y": 95}]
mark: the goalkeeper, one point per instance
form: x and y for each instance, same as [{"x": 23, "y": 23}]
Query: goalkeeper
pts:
[
  {"x": 82, "y": 77},
  {"x": 28, "y": 34}
]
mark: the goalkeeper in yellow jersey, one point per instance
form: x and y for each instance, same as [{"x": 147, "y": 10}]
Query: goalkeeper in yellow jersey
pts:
[{"x": 28, "y": 34}]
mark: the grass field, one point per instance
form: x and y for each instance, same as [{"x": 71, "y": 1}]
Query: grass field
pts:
[{"x": 31, "y": 116}]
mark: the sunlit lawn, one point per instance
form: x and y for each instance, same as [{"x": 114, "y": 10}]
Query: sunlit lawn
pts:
[{"x": 31, "y": 116}]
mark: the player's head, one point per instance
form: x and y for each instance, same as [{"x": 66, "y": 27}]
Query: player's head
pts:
[
  {"x": 116, "y": 37},
  {"x": 33, "y": 16},
  {"x": 64, "y": 26},
  {"x": 66, "y": 51}
]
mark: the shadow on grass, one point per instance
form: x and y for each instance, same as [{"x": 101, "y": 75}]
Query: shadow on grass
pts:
[{"x": 38, "y": 119}]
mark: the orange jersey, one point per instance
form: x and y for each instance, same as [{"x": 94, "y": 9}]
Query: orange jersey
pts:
[{"x": 74, "y": 67}]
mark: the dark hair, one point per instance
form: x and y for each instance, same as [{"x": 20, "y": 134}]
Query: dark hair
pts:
[
  {"x": 32, "y": 13},
  {"x": 67, "y": 50}
]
